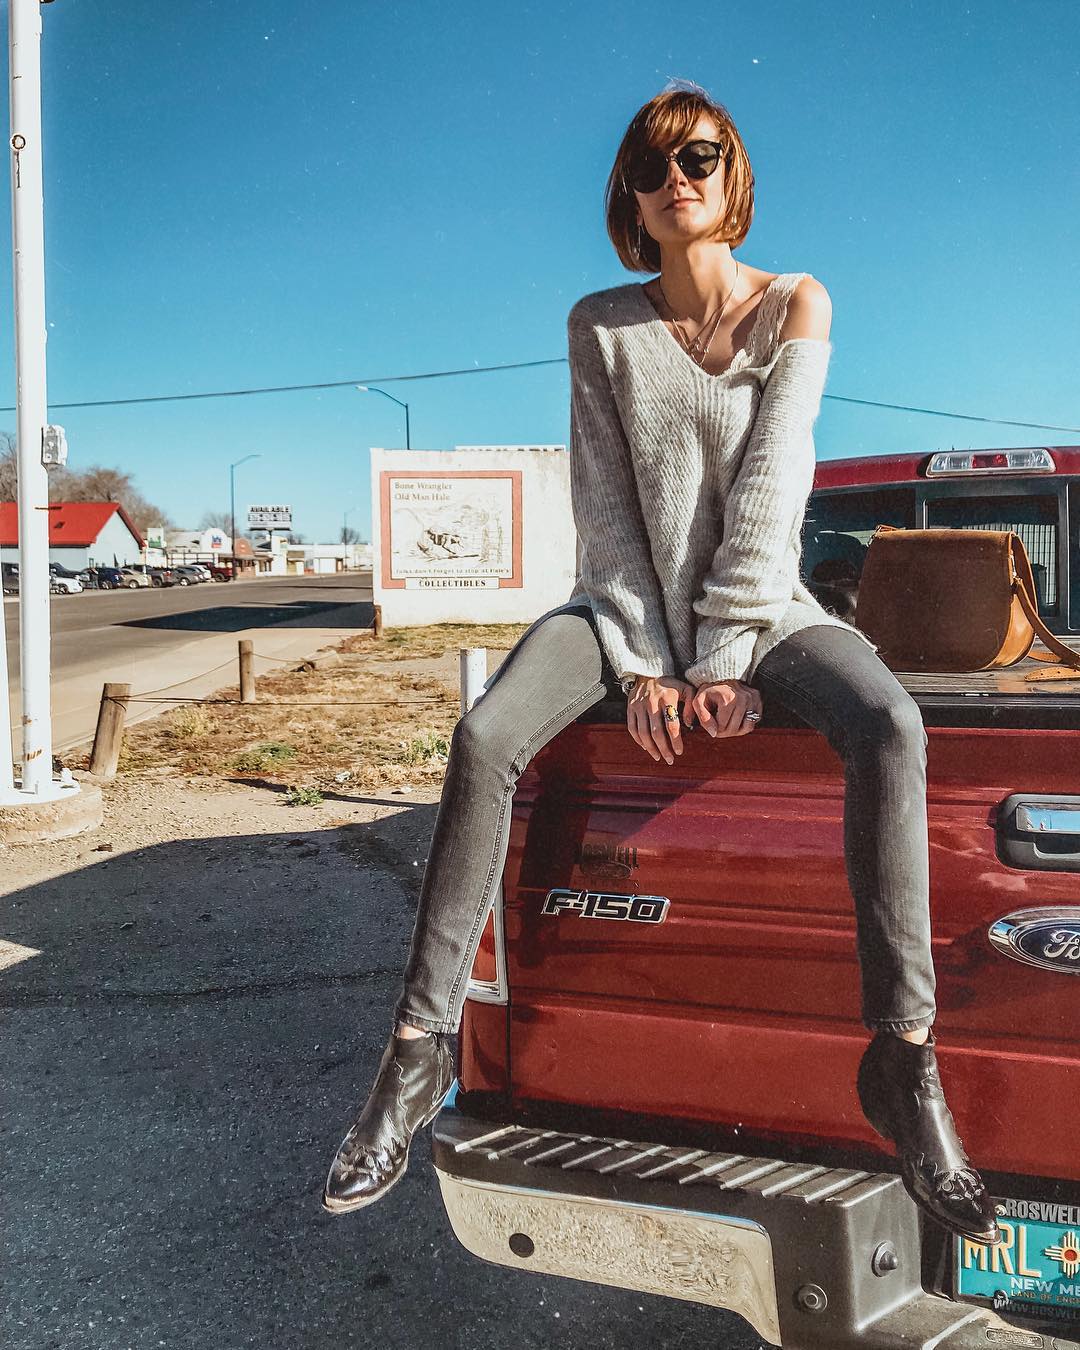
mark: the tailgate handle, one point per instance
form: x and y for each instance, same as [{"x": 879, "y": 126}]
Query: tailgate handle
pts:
[
  {"x": 1040, "y": 833},
  {"x": 1048, "y": 819}
]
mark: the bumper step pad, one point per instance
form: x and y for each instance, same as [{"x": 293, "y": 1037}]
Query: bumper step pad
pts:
[{"x": 809, "y": 1255}]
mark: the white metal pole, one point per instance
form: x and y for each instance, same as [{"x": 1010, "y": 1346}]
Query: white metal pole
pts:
[
  {"x": 28, "y": 242},
  {"x": 472, "y": 667},
  {"x": 7, "y": 778}
]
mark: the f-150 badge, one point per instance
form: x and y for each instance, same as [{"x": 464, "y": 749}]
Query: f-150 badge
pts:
[
  {"x": 1046, "y": 936},
  {"x": 606, "y": 905}
]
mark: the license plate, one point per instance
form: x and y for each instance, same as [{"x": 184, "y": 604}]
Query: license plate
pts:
[{"x": 1035, "y": 1271}]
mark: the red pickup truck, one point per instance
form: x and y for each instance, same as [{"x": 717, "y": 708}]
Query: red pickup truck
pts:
[{"x": 659, "y": 1049}]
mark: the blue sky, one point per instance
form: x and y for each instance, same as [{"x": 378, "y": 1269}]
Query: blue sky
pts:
[{"x": 246, "y": 194}]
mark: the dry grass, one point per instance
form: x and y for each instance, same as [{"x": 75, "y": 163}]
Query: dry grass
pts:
[
  {"x": 191, "y": 724},
  {"x": 403, "y": 644},
  {"x": 369, "y": 728}
]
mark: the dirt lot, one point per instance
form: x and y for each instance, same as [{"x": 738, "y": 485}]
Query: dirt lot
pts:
[{"x": 375, "y": 713}]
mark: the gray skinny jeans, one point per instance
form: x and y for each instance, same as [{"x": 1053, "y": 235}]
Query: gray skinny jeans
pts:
[{"x": 826, "y": 676}]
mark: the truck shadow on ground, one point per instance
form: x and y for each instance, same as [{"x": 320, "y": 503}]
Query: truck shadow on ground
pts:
[
  {"x": 235, "y": 618},
  {"x": 191, "y": 1028}
]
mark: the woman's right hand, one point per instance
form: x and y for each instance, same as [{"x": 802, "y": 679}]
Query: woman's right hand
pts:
[{"x": 645, "y": 719}]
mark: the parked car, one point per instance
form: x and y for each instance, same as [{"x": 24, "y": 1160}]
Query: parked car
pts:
[
  {"x": 219, "y": 572},
  {"x": 204, "y": 570},
  {"x": 134, "y": 578},
  {"x": 145, "y": 569},
  {"x": 102, "y": 578},
  {"x": 158, "y": 576},
  {"x": 59, "y": 570},
  {"x": 187, "y": 575},
  {"x": 62, "y": 581},
  {"x": 657, "y": 1057}
]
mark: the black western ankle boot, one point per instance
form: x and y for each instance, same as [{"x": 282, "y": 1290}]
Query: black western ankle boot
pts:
[
  {"x": 901, "y": 1096},
  {"x": 414, "y": 1076}
]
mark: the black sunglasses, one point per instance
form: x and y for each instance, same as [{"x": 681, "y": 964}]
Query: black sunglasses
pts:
[{"x": 697, "y": 159}]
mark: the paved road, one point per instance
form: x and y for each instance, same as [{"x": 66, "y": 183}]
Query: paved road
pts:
[{"x": 172, "y": 637}]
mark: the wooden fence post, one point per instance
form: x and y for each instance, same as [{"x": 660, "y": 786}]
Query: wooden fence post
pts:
[
  {"x": 247, "y": 671},
  {"x": 109, "y": 735}
]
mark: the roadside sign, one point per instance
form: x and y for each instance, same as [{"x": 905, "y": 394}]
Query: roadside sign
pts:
[{"x": 275, "y": 517}]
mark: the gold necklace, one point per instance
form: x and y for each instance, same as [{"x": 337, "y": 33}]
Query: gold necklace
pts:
[{"x": 691, "y": 346}]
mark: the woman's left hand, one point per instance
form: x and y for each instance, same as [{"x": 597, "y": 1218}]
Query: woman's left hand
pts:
[{"x": 722, "y": 705}]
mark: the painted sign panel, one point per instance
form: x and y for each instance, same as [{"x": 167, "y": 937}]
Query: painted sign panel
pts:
[
  {"x": 278, "y": 517},
  {"x": 452, "y": 529}
]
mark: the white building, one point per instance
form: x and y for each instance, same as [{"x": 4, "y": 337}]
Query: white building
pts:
[
  {"x": 277, "y": 557},
  {"x": 183, "y": 546}
]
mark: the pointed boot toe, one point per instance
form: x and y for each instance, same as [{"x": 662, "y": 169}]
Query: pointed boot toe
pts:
[
  {"x": 412, "y": 1082},
  {"x": 359, "y": 1175},
  {"x": 900, "y": 1092},
  {"x": 957, "y": 1199}
]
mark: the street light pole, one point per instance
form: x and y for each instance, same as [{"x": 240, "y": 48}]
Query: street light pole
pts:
[
  {"x": 232, "y": 503},
  {"x": 371, "y": 389},
  {"x": 28, "y": 247}
]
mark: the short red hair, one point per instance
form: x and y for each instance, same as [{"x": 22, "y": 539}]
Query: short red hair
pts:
[{"x": 664, "y": 122}]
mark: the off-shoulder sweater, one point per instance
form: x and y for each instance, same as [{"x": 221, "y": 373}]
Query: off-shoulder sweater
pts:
[{"x": 689, "y": 489}]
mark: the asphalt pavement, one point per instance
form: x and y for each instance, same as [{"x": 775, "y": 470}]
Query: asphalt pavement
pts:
[
  {"x": 194, "y": 1002},
  {"x": 182, "y": 639}
]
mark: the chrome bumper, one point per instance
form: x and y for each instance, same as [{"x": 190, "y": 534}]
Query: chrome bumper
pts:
[
  {"x": 810, "y": 1256},
  {"x": 705, "y": 1258}
]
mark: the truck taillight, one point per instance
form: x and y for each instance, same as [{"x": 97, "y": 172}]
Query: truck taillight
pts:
[
  {"x": 487, "y": 983},
  {"x": 946, "y": 462}
]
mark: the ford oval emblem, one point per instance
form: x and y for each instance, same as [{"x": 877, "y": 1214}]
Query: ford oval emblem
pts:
[{"x": 1047, "y": 937}]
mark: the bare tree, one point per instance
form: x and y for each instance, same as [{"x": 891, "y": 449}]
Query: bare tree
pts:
[
  {"x": 350, "y": 536},
  {"x": 216, "y": 520},
  {"x": 99, "y": 484},
  {"x": 92, "y": 484},
  {"x": 221, "y": 520}
]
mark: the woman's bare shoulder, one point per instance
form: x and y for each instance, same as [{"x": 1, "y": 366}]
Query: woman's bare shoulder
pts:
[{"x": 809, "y": 311}]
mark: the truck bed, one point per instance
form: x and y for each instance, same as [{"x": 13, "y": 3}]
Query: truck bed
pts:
[
  {"x": 1003, "y": 697},
  {"x": 1003, "y": 680}
]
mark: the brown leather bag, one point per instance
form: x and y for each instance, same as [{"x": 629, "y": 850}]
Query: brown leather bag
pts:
[{"x": 954, "y": 600}]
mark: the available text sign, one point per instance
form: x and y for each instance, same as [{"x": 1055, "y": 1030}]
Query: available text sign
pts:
[{"x": 274, "y": 517}]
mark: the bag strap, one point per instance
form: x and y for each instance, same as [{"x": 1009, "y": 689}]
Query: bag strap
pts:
[{"x": 1031, "y": 609}]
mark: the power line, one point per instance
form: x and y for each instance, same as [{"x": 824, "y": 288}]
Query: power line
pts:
[
  {"x": 511, "y": 365},
  {"x": 963, "y": 417},
  {"x": 297, "y": 388}
]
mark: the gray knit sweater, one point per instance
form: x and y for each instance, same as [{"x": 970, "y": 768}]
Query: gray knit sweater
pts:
[{"x": 689, "y": 489}]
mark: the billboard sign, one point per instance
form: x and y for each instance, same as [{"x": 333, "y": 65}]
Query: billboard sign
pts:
[{"x": 270, "y": 517}]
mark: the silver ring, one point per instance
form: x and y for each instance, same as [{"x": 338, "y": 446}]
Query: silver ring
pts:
[{"x": 753, "y": 717}]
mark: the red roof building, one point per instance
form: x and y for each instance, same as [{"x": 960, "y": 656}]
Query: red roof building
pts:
[{"x": 81, "y": 533}]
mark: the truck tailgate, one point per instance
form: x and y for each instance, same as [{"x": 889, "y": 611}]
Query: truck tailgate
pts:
[{"x": 740, "y": 1007}]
